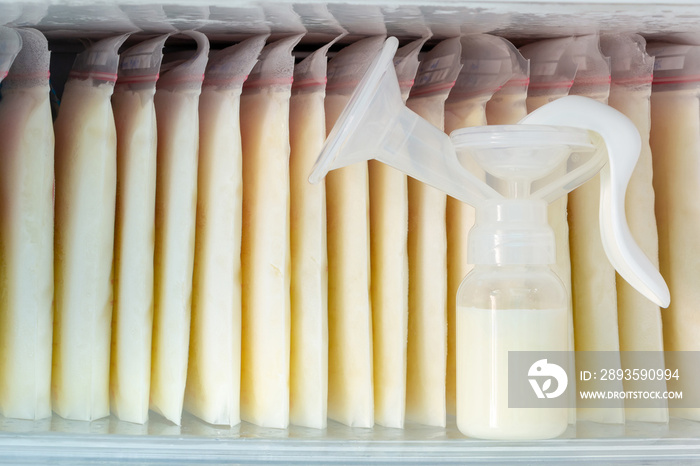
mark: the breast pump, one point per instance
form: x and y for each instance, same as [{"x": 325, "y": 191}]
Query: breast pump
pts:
[{"x": 511, "y": 300}]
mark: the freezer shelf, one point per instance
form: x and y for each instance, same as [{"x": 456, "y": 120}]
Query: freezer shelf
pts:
[{"x": 110, "y": 441}]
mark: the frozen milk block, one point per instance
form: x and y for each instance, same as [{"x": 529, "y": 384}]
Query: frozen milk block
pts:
[
  {"x": 26, "y": 232},
  {"x": 177, "y": 104},
  {"x": 427, "y": 246},
  {"x": 265, "y": 248},
  {"x": 675, "y": 144},
  {"x": 212, "y": 391},
  {"x": 638, "y": 318},
  {"x": 308, "y": 390},
  {"x": 132, "y": 316},
  {"x": 593, "y": 285},
  {"x": 86, "y": 169},
  {"x": 350, "y": 372},
  {"x": 388, "y": 196}
]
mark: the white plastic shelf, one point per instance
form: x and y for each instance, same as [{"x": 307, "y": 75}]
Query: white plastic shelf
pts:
[{"x": 160, "y": 442}]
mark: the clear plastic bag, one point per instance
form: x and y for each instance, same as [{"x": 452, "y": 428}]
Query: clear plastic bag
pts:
[
  {"x": 86, "y": 170},
  {"x": 388, "y": 196},
  {"x": 177, "y": 110},
  {"x": 26, "y": 232},
  {"x": 675, "y": 144},
  {"x": 350, "y": 357},
  {"x": 265, "y": 248},
  {"x": 638, "y": 318},
  {"x": 132, "y": 316},
  {"x": 427, "y": 251},
  {"x": 213, "y": 372},
  {"x": 308, "y": 388}
]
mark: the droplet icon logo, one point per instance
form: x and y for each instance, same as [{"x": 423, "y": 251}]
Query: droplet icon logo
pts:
[{"x": 542, "y": 373}]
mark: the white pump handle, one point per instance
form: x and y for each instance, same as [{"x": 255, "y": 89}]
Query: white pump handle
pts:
[{"x": 623, "y": 144}]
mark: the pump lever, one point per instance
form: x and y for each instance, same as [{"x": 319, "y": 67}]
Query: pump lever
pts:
[{"x": 623, "y": 144}]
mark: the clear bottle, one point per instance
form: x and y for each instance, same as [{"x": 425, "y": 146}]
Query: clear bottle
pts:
[{"x": 511, "y": 301}]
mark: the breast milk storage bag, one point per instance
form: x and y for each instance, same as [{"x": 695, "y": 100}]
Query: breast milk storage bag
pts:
[
  {"x": 308, "y": 386},
  {"x": 639, "y": 319},
  {"x": 388, "y": 209},
  {"x": 594, "y": 295},
  {"x": 675, "y": 145},
  {"x": 132, "y": 316},
  {"x": 86, "y": 176},
  {"x": 265, "y": 263},
  {"x": 427, "y": 245},
  {"x": 350, "y": 389},
  {"x": 213, "y": 372},
  {"x": 177, "y": 110},
  {"x": 26, "y": 231}
]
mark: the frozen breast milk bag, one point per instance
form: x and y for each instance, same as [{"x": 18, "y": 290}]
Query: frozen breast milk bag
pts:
[
  {"x": 177, "y": 103},
  {"x": 638, "y": 318},
  {"x": 488, "y": 62},
  {"x": 132, "y": 316},
  {"x": 594, "y": 295},
  {"x": 308, "y": 388},
  {"x": 350, "y": 373},
  {"x": 388, "y": 209},
  {"x": 213, "y": 372},
  {"x": 427, "y": 249},
  {"x": 512, "y": 301},
  {"x": 675, "y": 145},
  {"x": 26, "y": 231},
  {"x": 265, "y": 248},
  {"x": 86, "y": 182}
]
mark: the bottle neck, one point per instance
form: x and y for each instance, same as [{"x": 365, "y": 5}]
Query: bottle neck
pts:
[{"x": 512, "y": 232}]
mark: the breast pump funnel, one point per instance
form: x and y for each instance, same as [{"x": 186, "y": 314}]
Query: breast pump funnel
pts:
[{"x": 377, "y": 125}]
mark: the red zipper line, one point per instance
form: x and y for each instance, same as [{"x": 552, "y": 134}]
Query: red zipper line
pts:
[
  {"x": 4, "y": 75},
  {"x": 110, "y": 77},
  {"x": 310, "y": 83},
  {"x": 208, "y": 81},
  {"x": 407, "y": 83},
  {"x": 640, "y": 80},
  {"x": 432, "y": 89},
  {"x": 269, "y": 82},
  {"x": 676, "y": 79},
  {"x": 551, "y": 85},
  {"x": 142, "y": 78}
]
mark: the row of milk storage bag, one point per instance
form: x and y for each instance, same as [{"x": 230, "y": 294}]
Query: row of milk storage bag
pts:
[{"x": 161, "y": 247}]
